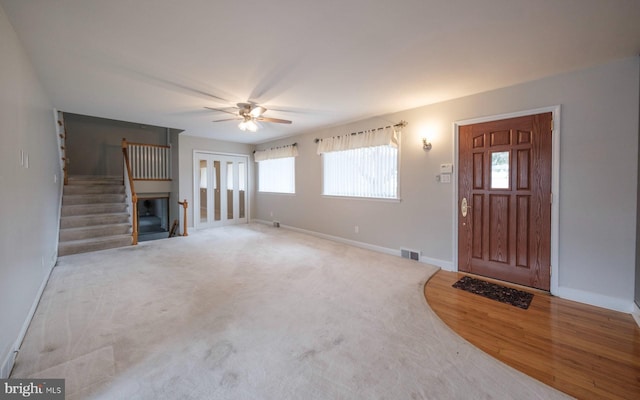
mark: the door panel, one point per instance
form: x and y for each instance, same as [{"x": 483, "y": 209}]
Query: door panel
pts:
[
  {"x": 505, "y": 177},
  {"x": 219, "y": 179}
]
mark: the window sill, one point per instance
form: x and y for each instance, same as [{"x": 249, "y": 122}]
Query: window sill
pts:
[
  {"x": 278, "y": 193},
  {"x": 378, "y": 199}
]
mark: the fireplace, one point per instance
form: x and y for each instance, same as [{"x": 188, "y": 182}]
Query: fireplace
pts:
[{"x": 153, "y": 218}]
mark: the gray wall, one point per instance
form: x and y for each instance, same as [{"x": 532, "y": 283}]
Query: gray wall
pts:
[
  {"x": 187, "y": 146},
  {"x": 598, "y": 178},
  {"x": 637, "y": 286},
  {"x": 30, "y": 197},
  {"x": 94, "y": 145}
]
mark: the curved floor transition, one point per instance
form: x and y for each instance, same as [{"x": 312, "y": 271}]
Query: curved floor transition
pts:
[{"x": 581, "y": 350}]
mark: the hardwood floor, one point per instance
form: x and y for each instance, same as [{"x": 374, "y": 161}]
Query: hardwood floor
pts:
[{"x": 584, "y": 351}]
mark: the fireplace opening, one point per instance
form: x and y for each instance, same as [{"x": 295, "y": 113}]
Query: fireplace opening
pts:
[{"x": 153, "y": 218}]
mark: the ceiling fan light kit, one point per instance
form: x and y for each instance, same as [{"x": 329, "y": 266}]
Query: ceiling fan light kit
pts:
[
  {"x": 248, "y": 125},
  {"x": 249, "y": 114}
]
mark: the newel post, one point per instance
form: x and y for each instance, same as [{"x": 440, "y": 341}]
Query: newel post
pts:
[{"x": 184, "y": 205}]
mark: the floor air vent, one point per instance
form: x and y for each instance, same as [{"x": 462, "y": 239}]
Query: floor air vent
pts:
[{"x": 410, "y": 254}]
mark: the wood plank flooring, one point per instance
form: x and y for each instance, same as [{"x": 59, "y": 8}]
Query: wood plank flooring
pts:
[{"x": 584, "y": 351}]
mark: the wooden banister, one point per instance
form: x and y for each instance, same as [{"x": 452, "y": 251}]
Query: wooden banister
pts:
[
  {"x": 134, "y": 196},
  {"x": 184, "y": 205},
  {"x": 63, "y": 139}
]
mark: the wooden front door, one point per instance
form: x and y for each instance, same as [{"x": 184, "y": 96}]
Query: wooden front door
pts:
[{"x": 504, "y": 201}]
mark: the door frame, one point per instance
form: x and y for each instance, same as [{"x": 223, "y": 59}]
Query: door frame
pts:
[
  {"x": 196, "y": 183},
  {"x": 555, "y": 182}
]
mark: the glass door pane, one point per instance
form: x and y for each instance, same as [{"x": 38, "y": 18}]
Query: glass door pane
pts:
[
  {"x": 230, "y": 189},
  {"x": 216, "y": 186},
  {"x": 242, "y": 178},
  {"x": 204, "y": 189},
  {"x": 500, "y": 170}
]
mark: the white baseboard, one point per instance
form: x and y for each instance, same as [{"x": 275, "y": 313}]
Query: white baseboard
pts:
[
  {"x": 339, "y": 239},
  {"x": 447, "y": 265},
  {"x": 636, "y": 313},
  {"x": 7, "y": 364},
  {"x": 594, "y": 299}
]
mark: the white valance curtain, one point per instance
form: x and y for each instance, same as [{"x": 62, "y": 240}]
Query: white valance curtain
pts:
[
  {"x": 387, "y": 136},
  {"x": 276, "y": 152}
]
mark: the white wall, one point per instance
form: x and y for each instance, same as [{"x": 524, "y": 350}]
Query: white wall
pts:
[
  {"x": 187, "y": 146},
  {"x": 598, "y": 170},
  {"x": 30, "y": 197}
]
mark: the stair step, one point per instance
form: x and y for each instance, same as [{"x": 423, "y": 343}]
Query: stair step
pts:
[
  {"x": 94, "y": 215},
  {"x": 77, "y": 221},
  {"x": 87, "y": 232},
  {"x": 93, "y": 189},
  {"x": 94, "y": 244},
  {"x": 74, "y": 199},
  {"x": 87, "y": 209},
  {"x": 94, "y": 180}
]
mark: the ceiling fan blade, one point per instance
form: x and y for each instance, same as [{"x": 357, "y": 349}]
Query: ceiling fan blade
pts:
[
  {"x": 221, "y": 110},
  {"x": 227, "y": 119},
  {"x": 276, "y": 120}
]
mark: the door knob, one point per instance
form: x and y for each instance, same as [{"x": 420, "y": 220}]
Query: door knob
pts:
[{"x": 464, "y": 207}]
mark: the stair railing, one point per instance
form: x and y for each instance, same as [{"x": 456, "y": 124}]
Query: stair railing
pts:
[
  {"x": 131, "y": 192},
  {"x": 62, "y": 135},
  {"x": 150, "y": 162}
]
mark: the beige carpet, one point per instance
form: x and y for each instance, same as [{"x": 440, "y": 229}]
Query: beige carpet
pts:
[{"x": 253, "y": 312}]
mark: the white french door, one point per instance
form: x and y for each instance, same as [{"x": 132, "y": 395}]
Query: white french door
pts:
[{"x": 220, "y": 189}]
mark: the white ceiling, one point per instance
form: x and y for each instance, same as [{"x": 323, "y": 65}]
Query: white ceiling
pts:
[{"x": 324, "y": 62}]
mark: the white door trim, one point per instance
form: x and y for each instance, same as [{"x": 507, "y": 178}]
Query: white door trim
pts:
[{"x": 555, "y": 182}]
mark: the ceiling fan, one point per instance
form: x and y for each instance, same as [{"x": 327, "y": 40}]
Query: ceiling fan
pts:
[{"x": 248, "y": 114}]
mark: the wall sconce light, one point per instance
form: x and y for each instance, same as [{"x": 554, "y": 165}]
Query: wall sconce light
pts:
[{"x": 426, "y": 144}]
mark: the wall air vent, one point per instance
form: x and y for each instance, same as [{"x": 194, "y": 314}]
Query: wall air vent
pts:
[{"x": 410, "y": 254}]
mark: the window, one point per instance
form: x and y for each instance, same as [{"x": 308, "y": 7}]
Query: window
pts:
[
  {"x": 500, "y": 170},
  {"x": 364, "y": 172},
  {"x": 277, "y": 175},
  {"x": 277, "y": 169}
]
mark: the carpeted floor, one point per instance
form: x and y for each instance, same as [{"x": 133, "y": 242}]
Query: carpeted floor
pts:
[{"x": 253, "y": 312}]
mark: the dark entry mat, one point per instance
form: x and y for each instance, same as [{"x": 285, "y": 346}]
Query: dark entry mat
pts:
[{"x": 496, "y": 292}]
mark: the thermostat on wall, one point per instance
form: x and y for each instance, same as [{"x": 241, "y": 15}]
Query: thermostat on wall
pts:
[{"x": 446, "y": 168}]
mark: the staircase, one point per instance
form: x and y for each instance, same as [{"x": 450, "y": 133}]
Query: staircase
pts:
[{"x": 94, "y": 215}]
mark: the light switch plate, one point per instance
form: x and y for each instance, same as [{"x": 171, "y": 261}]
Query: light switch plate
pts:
[{"x": 445, "y": 178}]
